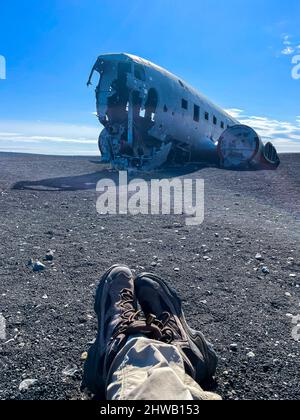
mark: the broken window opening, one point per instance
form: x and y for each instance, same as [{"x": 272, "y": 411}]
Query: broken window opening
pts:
[
  {"x": 151, "y": 104},
  {"x": 118, "y": 103},
  {"x": 222, "y": 124},
  {"x": 123, "y": 68},
  {"x": 139, "y": 72},
  {"x": 165, "y": 108},
  {"x": 215, "y": 121},
  {"x": 142, "y": 113},
  {"x": 207, "y": 116},
  {"x": 184, "y": 104},
  {"x": 196, "y": 113}
]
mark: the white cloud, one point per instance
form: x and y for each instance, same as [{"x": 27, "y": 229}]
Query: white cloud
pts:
[
  {"x": 290, "y": 47},
  {"x": 283, "y": 134},
  {"x": 49, "y": 138},
  {"x": 235, "y": 112},
  {"x": 286, "y": 40},
  {"x": 288, "y": 51}
]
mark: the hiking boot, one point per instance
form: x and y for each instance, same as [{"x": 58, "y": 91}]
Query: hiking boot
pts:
[
  {"x": 162, "y": 307},
  {"x": 118, "y": 318}
]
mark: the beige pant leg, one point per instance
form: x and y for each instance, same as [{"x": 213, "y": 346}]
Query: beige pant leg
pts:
[{"x": 150, "y": 370}]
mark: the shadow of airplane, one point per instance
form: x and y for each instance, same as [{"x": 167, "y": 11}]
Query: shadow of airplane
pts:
[{"x": 89, "y": 181}]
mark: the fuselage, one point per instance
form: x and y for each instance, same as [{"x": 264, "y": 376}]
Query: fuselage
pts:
[{"x": 151, "y": 116}]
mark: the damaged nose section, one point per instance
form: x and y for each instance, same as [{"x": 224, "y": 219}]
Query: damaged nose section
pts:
[
  {"x": 126, "y": 107},
  {"x": 240, "y": 147}
]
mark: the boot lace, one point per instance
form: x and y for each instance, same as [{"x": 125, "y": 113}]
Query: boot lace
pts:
[
  {"x": 166, "y": 324},
  {"x": 129, "y": 315}
]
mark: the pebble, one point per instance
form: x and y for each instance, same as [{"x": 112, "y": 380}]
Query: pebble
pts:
[
  {"x": 251, "y": 355},
  {"x": 38, "y": 266},
  {"x": 2, "y": 327},
  {"x": 26, "y": 384},
  {"x": 84, "y": 356},
  {"x": 234, "y": 347},
  {"x": 49, "y": 255},
  {"x": 265, "y": 270},
  {"x": 259, "y": 257},
  {"x": 70, "y": 371}
]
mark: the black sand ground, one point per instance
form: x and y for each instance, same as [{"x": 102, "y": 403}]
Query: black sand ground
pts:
[{"x": 49, "y": 203}]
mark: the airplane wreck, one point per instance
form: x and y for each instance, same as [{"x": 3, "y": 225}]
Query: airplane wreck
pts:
[{"x": 152, "y": 118}]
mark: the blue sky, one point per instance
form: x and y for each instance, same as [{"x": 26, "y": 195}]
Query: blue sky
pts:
[{"x": 237, "y": 52}]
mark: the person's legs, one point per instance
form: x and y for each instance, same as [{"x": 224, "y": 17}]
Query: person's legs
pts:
[
  {"x": 150, "y": 370},
  {"x": 158, "y": 358}
]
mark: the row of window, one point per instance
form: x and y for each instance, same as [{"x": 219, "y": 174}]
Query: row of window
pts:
[
  {"x": 185, "y": 105},
  {"x": 139, "y": 73}
]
